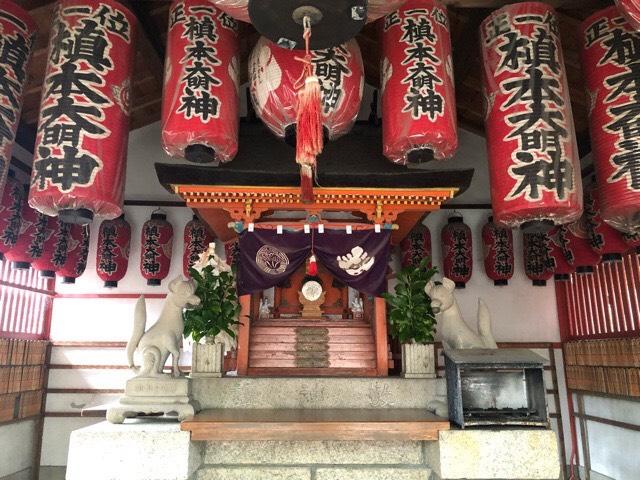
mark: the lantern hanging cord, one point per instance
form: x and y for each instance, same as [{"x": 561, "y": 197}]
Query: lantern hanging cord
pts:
[{"x": 307, "y": 69}]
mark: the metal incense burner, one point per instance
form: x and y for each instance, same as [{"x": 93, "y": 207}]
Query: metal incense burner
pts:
[{"x": 496, "y": 388}]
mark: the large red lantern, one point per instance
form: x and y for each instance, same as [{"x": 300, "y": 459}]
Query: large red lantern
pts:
[
  {"x": 533, "y": 157},
  {"x": 497, "y": 243},
  {"x": 631, "y": 10},
  {"x": 81, "y": 143},
  {"x": 196, "y": 240},
  {"x": 11, "y": 205},
  {"x": 577, "y": 247},
  {"x": 30, "y": 242},
  {"x": 457, "y": 251},
  {"x": 18, "y": 35},
  {"x": 561, "y": 267},
  {"x": 77, "y": 253},
  {"x": 156, "y": 246},
  {"x": 416, "y": 246},
  {"x": 274, "y": 74},
  {"x": 610, "y": 67},
  {"x": 54, "y": 250},
  {"x": 538, "y": 262},
  {"x": 418, "y": 97},
  {"x": 604, "y": 239},
  {"x": 112, "y": 255},
  {"x": 201, "y": 85}
]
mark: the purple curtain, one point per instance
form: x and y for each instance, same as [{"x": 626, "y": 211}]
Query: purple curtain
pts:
[{"x": 358, "y": 260}]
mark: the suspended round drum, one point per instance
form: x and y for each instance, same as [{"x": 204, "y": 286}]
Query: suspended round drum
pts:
[
  {"x": 457, "y": 251},
  {"x": 333, "y": 22},
  {"x": 81, "y": 143},
  {"x": 16, "y": 43},
  {"x": 200, "y": 103},
  {"x": 497, "y": 243},
  {"x": 418, "y": 97},
  {"x": 156, "y": 245},
  {"x": 274, "y": 73},
  {"x": 534, "y": 165},
  {"x": 13, "y": 200},
  {"x": 416, "y": 246},
  {"x": 77, "y": 253},
  {"x": 112, "y": 253},
  {"x": 196, "y": 240},
  {"x": 539, "y": 265},
  {"x": 604, "y": 239},
  {"x": 613, "y": 86}
]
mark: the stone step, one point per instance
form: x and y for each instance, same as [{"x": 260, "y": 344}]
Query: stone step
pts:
[
  {"x": 312, "y": 353},
  {"x": 316, "y": 392},
  {"x": 320, "y": 473},
  {"x": 312, "y": 338},
  {"x": 323, "y": 362}
]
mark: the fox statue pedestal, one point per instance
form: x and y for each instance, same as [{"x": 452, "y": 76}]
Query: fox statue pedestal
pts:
[{"x": 152, "y": 396}]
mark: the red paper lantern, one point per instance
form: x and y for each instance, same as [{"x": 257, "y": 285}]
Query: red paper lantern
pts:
[
  {"x": 274, "y": 73},
  {"x": 11, "y": 206},
  {"x": 533, "y": 157},
  {"x": 112, "y": 255},
  {"x": 18, "y": 35},
  {"x": 196, "y": 240},
  {"x": 418, "y": 97},
  {"x": 631, "y": 10},
  {"x": 416, "y": 246},
  {"x": 633, "y": 241},
  {"x": 77, "y": 253},
  {"x": 610, "y": 68},
  {"x": 54, "y": 250},
  {"x": 156, "y": 246},
  {"x": 201, "y": 85},
  {"x": 604, "y": 239},
  {"x": 232, "y": 252},
  {"x": 457, "y": 251},
  {"x": 561, "y": 267},
  {"x": 577, "y": 248},
  {"x": 30, "y": 242},
  {"x": 81, "y": 143},
  {"x": 497, "y": 244},
  {"x": 538, "y": 263}
]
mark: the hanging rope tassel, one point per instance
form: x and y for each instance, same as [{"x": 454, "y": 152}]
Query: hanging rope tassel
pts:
[{"x": 309, "y": 141}]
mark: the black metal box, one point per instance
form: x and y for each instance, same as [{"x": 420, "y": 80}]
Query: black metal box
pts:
[{"x": 496, "y": 387}]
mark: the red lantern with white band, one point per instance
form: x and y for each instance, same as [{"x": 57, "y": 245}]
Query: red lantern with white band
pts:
[
  {"x": 610, "y": 69},
  {"x": 415, "y": 247},
  {"x": 81, "y": 143},
  {"x": 54, "y": 250},
  {"x": 538, "y": 264},
  {"x": 30, "y": 242},
  {"x": 577, "y": 247},
  {"x": 418, "y": 97},
  {"x": 13, "y": 200},
  {"x": 16, "y": 43},
  {"x": 631, "y": 10},
  {"x": 497, "y": 243},
  {"x": 156, "y": 246},
  {"x": 457, "y": 251},
  {"x": 201, "y": 85},
  {"x": 562, "y": 268},
  {"x": 112, "y": 254},
  {"x": 196, "y": 240},
  {"x": 77, "y": 253},
  {"x": 604, "y": 239},
  {"x": 274, "y": 73},
  {"x": 533, "y": 157}
]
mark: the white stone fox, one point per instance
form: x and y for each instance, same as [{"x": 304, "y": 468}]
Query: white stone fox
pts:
[
  {"x": 165, "y": 336},
  {"x": 454, "y": 331}
]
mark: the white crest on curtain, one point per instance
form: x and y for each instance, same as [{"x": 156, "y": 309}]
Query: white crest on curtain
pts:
[{"x": 356, "y": 262}]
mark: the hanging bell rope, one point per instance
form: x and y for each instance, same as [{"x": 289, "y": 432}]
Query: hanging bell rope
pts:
[{"x": 309, "y": 141}]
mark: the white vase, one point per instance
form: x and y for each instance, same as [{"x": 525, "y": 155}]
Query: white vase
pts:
[
  {"x": 207, "y": 360},
  {"x": 418, "y": 360}
]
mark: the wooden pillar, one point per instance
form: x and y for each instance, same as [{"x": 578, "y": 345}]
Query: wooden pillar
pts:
[
  {"x": 243, "y": 335},
  {"x": 380, "y": 331},
  {"x": 277, "y": 299},
  {"x": 344, "y": 298}
]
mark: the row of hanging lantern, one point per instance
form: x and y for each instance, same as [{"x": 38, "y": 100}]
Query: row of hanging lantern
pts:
[{"x": 565, "y": 249}]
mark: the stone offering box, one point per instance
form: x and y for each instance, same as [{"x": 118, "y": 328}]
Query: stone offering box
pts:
[{"x": 496, "y": 387}]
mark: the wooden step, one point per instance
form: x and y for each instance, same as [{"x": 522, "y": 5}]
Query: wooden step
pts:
[
  {"x": 310, "y": 323},
  {"x": 315, "y": 425},
  {"x": 331, "y": 338},
  {"x": 355, "y": 331},
  {"x": 331, "y": 355},
  {"x": 311, "y": 347},
  {"x": 302, "y": 362}
]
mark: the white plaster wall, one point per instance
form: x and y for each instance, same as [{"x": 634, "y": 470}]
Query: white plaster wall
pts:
[{"x": 16, "y": 447}]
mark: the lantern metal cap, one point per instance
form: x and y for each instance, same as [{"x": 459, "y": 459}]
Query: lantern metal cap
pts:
[
  {"x": 20, "y": 265},
  {"x": 457, "y": 218},
  {"x": 110, "y": 284},
  {"x": 199, "y": 153},
  {"x": 561, "y": 277},
  {"x": 47, "y": 274},
  {"x": 420, "y": 155},
  {"x": 79, "y": 216},
  {"x": 68, "y": 280},
  {"x": 461, "y": 285},
  {"x": 1, "y": 256},
  {"x": 611, "y": 257},
  {"x": 153, "y": 282},
  {"x": 537, "y": 226},
  {"x": 584, "y": 269},
  {"x": 539, "y": 283},
  {"x": 158, "y": 215},
  {"x": 500, "y": 283}
]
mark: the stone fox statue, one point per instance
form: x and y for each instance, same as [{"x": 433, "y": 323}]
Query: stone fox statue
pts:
[
  {"x": 454, "y": 331},
  {"x": 165, "y": 336}
]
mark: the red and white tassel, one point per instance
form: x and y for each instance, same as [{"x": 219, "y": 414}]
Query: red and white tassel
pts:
[{"x": 312, "y": 268}]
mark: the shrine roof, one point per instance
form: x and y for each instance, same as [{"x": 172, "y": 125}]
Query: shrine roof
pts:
[{"x": 353, "y": 161}]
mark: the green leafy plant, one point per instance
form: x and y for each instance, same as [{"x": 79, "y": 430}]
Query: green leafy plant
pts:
[
  {"x": 219, "y": 307},
  {"x": 410, "y": 315}
]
